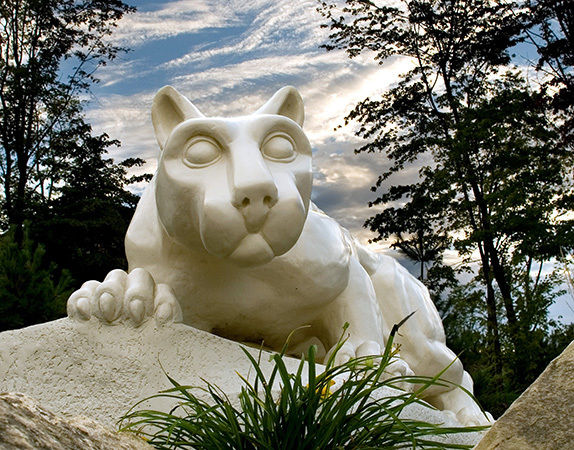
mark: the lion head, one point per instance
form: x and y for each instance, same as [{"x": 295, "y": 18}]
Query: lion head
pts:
[{"x": 240, "y": 187}]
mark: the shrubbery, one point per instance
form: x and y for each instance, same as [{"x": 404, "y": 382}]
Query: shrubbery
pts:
[{"x": 29, "y": 293}]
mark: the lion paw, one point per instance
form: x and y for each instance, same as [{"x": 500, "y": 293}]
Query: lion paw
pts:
[
  {"x": 473, "y": 416},
  {"x": 398, "y": 372},
  {"x": 398, "y": 368},
  {"x": 350, "y": 350},
  {"x": 121, "y": 296},
  {"x": 394, "y": 371}
]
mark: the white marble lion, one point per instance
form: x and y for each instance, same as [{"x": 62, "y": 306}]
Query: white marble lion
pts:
[{"x": 225, "y": 239}]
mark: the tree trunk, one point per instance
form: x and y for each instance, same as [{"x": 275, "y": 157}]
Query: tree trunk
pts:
[
  {"x": 494, "y": 263},
  {"x": 18, "y": 214},
  {"x": 493, "y": 334}
]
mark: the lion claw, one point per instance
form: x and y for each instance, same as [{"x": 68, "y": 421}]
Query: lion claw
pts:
[{"x": 132, "y": 297}]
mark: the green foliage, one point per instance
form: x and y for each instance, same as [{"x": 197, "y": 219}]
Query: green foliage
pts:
[
  {"x": 306, "y": 413},
  {"x": 465, "y": 323},
  {"x": 28, "y": 294}
]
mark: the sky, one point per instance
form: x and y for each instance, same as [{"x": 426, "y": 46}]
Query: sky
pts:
[{"x": 228, "y": 57}]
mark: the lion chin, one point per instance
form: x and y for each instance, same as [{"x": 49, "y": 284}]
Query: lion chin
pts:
[{"x": 253, "y": 250}]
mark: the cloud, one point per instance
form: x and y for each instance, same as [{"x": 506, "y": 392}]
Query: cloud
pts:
[
  {"x": 172, "y": 19},
  {"x": 251, "y": 72},
  {"x": 262, "y": 24},
  {"x": 127, "y": 119},
  {"x": 291, "y": 27}
]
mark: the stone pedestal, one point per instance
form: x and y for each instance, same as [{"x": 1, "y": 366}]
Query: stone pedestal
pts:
[{"x": 100, "y": 371}]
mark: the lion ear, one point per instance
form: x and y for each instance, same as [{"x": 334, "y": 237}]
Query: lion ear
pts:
[
  {"x": 169, "y": 109},
  {"x": 285, "y": 102}
]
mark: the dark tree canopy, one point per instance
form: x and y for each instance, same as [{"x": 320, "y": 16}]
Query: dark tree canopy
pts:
[
  {"x": 39, "y": 109},
  {"x": 32, "y": 290}
]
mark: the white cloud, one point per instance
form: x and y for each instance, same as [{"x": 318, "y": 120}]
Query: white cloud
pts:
[
  {"x": 216, "y": 32},
  {"x": 172, "y": 19},
  {"x": 261, "y": 18},
  {"x": 127, "y": 119},
  {"x": 338, "y": 89},
  {"x": 286, "y": 27}
]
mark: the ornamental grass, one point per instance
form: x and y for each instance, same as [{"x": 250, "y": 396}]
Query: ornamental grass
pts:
[{"x": 300, "y": 411}]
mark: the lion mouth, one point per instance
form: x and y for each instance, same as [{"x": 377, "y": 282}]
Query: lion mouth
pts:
[
  {"x": 225, "y": 234},
  {"x": 253, "y": 250}
]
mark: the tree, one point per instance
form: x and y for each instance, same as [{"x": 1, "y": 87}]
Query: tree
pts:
[
  {"x": 417, "y": 227},
  {"x": 498, "y": 182},
  {"x": 59, "y": 188},
  {"x": 39, "y": 107}
]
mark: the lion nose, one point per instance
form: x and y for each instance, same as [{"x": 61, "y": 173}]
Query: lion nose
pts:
[
  {"x": 254, "y": 201},
  {"x": 254, "y": 191}
]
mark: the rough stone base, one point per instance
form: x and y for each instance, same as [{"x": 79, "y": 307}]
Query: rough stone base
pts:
[
  {"x": 100, "y": 371},
  {"x": 542, "y": 418},
  {"x": 25, "y": 425}
]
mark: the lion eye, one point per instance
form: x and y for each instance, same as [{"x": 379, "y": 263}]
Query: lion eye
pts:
[
  {"x": 279, "y": 147},
  {"x": 202, "y": 151}
]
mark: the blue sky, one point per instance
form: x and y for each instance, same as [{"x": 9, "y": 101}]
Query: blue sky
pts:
[{"x": 229, "y": 57}]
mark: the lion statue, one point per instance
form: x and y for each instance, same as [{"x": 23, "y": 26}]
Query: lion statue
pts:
[{"x": 225, "y": 239}]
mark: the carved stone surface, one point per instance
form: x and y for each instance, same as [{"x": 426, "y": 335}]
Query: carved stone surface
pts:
[
  {"x": 100, "y": 371},
  {"x": 541, "y": 418},
  {"x": 25, "y": 425},
  {"x": 226, "y": 239}
]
